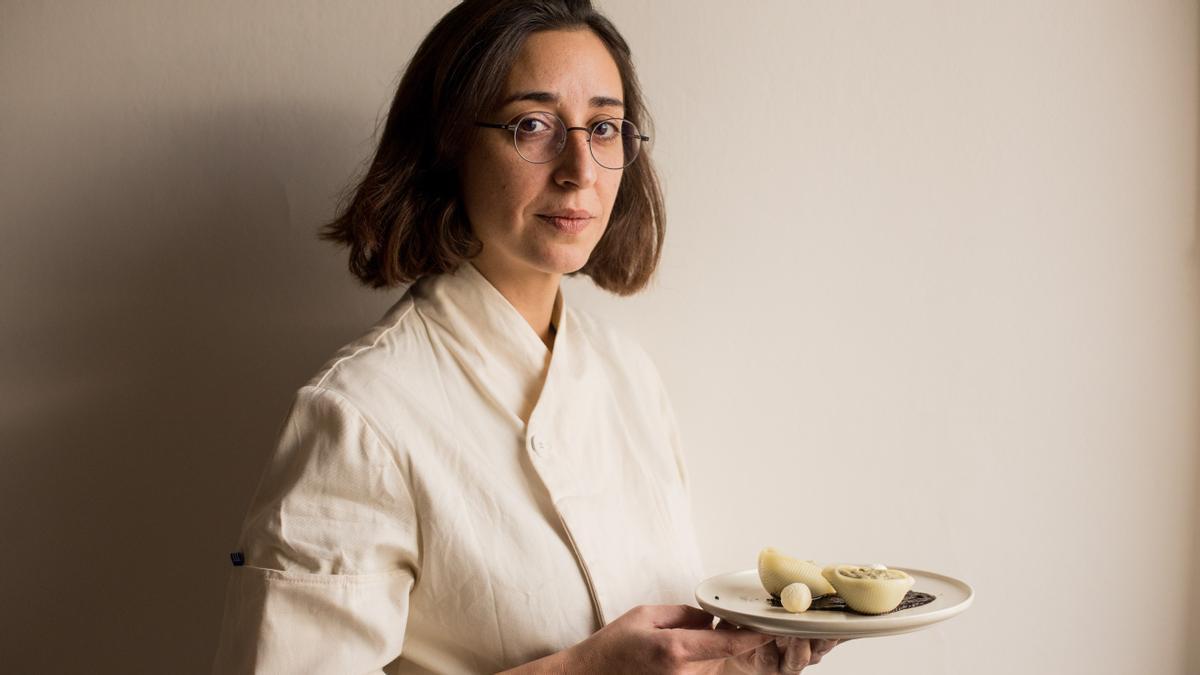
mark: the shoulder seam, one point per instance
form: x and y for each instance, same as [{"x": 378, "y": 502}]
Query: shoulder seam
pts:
[
  {"x": 329, "y": 371},
  {"x": 371, "y": 424}
]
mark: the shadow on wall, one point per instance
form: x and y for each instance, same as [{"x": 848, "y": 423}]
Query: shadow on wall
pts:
[
  {"x": 1193, "y": 626},
  {"x": 167, "y": 303}
]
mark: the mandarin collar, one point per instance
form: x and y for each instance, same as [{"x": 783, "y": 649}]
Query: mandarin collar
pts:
[{"x": 496, "y": 345}]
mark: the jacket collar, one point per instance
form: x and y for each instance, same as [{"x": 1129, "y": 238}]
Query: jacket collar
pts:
[{"x": 497, "y": 348}]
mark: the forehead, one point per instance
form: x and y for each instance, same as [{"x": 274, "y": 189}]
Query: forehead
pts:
[{"x": 574, "y": 65}]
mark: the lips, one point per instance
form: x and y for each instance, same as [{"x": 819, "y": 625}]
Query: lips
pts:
[
  {"x": 572, "y": 214},
  {"x": 567, "y": 224}
]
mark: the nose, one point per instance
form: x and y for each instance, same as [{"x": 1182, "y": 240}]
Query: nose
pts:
[{"x": 575, "y": 167}]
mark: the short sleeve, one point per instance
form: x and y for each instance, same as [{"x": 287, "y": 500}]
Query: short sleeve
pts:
[{"x": 330, "y": 548}]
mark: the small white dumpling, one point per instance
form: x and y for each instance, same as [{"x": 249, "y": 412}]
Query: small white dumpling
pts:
[{"x": 796, "y": 597}]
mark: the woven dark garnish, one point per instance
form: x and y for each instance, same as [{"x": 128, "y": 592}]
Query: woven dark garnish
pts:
[{"x": 836, "y": 604}]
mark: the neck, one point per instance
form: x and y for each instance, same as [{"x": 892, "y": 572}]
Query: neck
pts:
[{"x": 531, "y": 293}]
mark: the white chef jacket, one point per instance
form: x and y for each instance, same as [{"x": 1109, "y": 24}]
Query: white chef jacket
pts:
[{"x": 448, "y": 495}]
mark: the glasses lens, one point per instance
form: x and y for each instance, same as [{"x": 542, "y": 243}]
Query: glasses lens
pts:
[
  {"x": 539, "y": 137},
  {"x": 615, "y": 143}
]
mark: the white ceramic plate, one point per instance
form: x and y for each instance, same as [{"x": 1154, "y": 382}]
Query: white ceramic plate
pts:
[{"x": 738, "y": 597}]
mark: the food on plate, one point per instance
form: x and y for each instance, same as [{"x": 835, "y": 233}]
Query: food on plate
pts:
[
  {"x": 776, "y": 570},
  {"x": 865, "y": 589},
  {"x": 796, "y": 597},
  {"x": 869, "y": 590}
]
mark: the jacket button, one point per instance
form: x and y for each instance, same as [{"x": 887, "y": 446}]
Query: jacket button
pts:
[{"x": 539, "y": 446}]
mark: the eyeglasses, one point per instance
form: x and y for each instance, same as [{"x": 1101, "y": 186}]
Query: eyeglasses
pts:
[{"x": 539, "y": 137}]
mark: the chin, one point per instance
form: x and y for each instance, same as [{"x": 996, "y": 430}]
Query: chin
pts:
[
  {"x": 564, "y": 261},
  {"x": 564, "y": 267}
]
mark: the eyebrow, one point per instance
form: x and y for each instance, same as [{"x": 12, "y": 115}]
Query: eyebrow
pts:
[{"x": 548, "y": 97}]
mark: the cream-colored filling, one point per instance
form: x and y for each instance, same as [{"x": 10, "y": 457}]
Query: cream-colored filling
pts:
[
  {"x": 870, "y": 573},
  {"x": 869, "y": 590}
]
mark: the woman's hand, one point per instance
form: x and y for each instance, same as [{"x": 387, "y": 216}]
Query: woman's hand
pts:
[
  {"x": 781, "y": 655},
  {"x": 674, "y": 639},
  {"x": 679, "y": 640}
]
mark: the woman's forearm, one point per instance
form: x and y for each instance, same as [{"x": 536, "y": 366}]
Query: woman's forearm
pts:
[{"x": 552, "y": 664}]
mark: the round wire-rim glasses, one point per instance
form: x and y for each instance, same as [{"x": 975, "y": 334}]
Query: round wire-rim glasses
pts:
[{"x": 541, "y": 144}]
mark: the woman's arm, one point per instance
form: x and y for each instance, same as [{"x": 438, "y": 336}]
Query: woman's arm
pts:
[
  {"x": 330, "y": 551},
  {"x": 553, "y": 664}
]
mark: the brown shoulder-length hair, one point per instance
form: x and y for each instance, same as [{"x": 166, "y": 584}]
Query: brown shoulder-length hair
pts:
[{"x": 404, "y": 218}]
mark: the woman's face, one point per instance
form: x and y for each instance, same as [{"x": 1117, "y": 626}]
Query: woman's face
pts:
[{"x": 507, "y": 199}]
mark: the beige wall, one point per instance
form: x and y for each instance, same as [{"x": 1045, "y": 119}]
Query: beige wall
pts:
[{"x": 929, "y": 298}]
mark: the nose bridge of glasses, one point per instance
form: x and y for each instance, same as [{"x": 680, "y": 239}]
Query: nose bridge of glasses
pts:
[{"x": 565, "y": 138}]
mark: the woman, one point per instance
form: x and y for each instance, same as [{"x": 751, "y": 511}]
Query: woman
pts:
[{"x": 488, "y": 478}]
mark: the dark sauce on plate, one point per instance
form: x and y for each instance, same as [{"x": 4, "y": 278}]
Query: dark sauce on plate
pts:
[{"x": 834, "y": 603}]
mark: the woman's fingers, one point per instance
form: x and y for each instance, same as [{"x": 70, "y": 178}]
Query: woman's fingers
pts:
[
  {"x": 766, "y": 658},
  {"x": 820, "y": 648},
  {"x": 761, "y": 653},
  {"x": 797, "y": 654},
  {"x": 703, "y": 645}
]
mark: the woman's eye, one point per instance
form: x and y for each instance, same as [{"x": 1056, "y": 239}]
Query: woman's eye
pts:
[
  {"x": 605, "y": 130},
  {"x": 531, "y": 125}
]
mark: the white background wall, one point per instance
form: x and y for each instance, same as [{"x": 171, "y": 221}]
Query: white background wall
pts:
[{"x": 929, "y": 298}]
